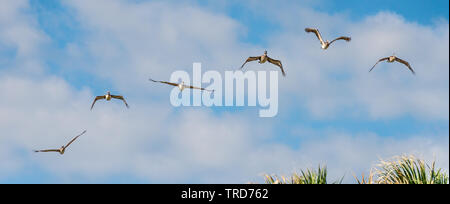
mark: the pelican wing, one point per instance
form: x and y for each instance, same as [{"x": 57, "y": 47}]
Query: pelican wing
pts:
[
  {"x": 316, "y": 31},
  {"x": 96, "y": 99},
  {"x": 250, "y": 59},
  {"x": 405, "y": 63},
  {"x": 47, "y": 150},
  {"x": 164, "y": 82},
  {"x": 278, "y": 63},
  {"x": 74, "y": 139},
  {"x": 348, "y": 39},
  {"x": 383, "y": 59},
  {"x": 193, "y": 87},
  {"x": 120, "y": 98}
]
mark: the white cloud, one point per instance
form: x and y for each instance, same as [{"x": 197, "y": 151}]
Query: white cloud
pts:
[
  {"x": 336, "y": 81},
  {"x": 152, "y": 39}
]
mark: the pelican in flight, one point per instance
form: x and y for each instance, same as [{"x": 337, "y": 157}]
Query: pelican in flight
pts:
[
  {"x": 263, "y": 59},
  {"x": 181, "y": 85},
  {"x": 108, "y": 97},
  {"x": 392, "y": 59},
  {"x": 326, "y": 44},
  {"x": 63, "y": 148}
]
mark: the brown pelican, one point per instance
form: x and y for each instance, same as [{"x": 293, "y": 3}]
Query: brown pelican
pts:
[
  {"x": 392, "y": 59},
  {"x": 108, "y": 97},
  {"x": 326, "y": 44},
  {"x": 181, "y": 85},
  {"x": 63, "y": 148},
  {"x": 263, "y": 59}
]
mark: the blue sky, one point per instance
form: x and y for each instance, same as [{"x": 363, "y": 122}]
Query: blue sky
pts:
[{"x": 342, "y": 118}]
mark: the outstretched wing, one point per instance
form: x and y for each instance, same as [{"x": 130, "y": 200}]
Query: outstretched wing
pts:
[
  {"x": 348, "y": 39},
  {"x": 96, "y": 99},
  {"x": 47, "y": 150},
  {"x": 316, "y": 31},
  {"x": 250, "y": 59},
  {"x": 74, "y": 139},
  {"x": 164, "y": 82},
  {"x": 405, "y": 63},
  {"x": 278, "y": 63},
  {"x": 383, "y": 59},
  {"x": 120, "y": 98},
  {"x": 193, "y": 87}
]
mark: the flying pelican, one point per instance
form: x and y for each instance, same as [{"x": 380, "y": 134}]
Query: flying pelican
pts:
[
  {"x": 392, "y": 59},
  {"x": 263, "y": 59},
  {"x": 108, "y": 97},
  {"x": 326, "y": 44},
  {"x": 181, "y": 85},
  {"x": 63, "y": 148}
]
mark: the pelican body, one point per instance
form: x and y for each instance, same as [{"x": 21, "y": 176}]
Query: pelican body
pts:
[
  {"x": 325, "y": 45},
  {"x": 392, "y": 59},
  {"x": 108, "y": 97},
  {"x": 181, "y": 85},
  {"x": 62, "y": 150},
  {"x": 263, "y": 59}
]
